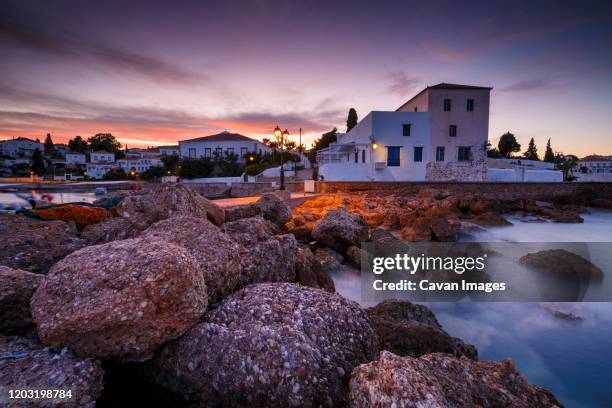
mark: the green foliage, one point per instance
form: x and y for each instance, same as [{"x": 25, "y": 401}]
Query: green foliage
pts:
[
  {"x": 153, "y": 173},
  {"x": 566, "y": 163},
  {"x": 228, "y": 166},
  {"x": 321, "y": 143},
  {"x": 115, "y": 174},
  {"x": 78, "y": 145},
  {"x": 20, "y": 169},
  {"x": 256, "y": 168},
  {"x": 106, "y": 142},
  {"x": 494, "y": 153},
  {"x": 49, "y": 147},
  {"x": 351, "y": 121},
  {"x": 549, "y": 156},
  {"x": 171, "y": 163},
  {"x": 532, "y": 151},
  {"x": 195, "y": 168},
  {"x": 38, "y": 164},
  {"x": 508, "y": 145}
]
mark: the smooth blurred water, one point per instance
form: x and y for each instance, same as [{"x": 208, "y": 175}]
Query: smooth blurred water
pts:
[{"x": 573, "y": 359}]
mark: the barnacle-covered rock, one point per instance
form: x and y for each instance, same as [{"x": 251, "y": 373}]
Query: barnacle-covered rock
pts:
[{"x": 16, "y": 290}]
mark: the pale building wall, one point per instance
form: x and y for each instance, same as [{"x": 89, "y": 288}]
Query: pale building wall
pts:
[{"x": 237, "y": 147}]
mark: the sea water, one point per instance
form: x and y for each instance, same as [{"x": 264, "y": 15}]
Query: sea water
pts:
[{"x": 571, "y": 358}]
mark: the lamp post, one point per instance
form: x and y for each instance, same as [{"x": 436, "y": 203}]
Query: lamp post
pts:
[{"x": 280, "y": 137}]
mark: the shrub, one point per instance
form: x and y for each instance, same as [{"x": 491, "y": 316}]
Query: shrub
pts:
[{"x": 256, "y": 168}]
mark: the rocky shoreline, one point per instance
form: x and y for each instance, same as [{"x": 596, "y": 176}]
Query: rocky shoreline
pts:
[{"x": 236, "y": 307}]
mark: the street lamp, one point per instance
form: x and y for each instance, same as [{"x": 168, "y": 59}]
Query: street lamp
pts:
[{"x": 280, "y": 137}]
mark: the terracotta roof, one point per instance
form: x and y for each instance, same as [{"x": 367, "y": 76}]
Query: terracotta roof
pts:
[
  {"x": 595, "y": 157},
  {"x": 444, "y": 85},
  {"x": 222, "y": 137}
]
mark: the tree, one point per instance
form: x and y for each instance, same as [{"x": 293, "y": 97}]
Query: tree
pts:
[
  {"x": 532, "y": 151},
  {"x": 351, "y": 121},
  {"x": 171, "y": 162},
  {"x": 321, "y": 143},
  {"x": 106, "y": 142},
  {"x": 566, "y": 163},
  {"x": 78, "y": 145},
  {"x": 49, "y": 147},
  {"x": 115, "y": 174},
  {"x": 549, "y": 156},
  {"x": 508, "y": 145},
  {"x": 494, "y": 153},
  {"x": 38, "y": 164}
]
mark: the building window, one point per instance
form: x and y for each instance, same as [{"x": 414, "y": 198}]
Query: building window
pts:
[
  {"x": 192, "y": 152},
  {"x": 229, "y": 151},
  {"x": 418, "y": 154},
  {"x": 218, "y": 152},
  {"x": 207, "y": 152},
  {"x": 243, "y": 152},
  {"x": 393, "y": 156},
  {"x": 356, "y": 156},
  {"x": 447, "y": 105},
  {"x": 464, "y": 153},
  {"x": 416, "y": 108},
  {"x": 406, "y": 129},
  {"x": 440, "y": 153},
  {"x": 363, "y": 156},
  {"x": 452, "y": 130},
  {"x": 470, "y": 105}
]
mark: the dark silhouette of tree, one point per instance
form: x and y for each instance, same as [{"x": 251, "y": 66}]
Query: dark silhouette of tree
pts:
[
  {"x": 38, "y": 163},
  {"x": 78, "y": 145},
  {"x": 171, "y": 162},
  {"x": 351, "y": 121},
  {"x": 106, "y": 142},
  {"x": 549, "y": 156},
  {"x": 49, "y": 147},
  {"x": 508, "y": 145},
  {"x": 566, "y": 163},
  {"x": 494, "y": 153},
  {"x": 322, "y": 143},
  {"x": 532, "y": 151}
]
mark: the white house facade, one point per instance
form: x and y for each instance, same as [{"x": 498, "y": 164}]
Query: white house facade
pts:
[
  {"x": 168, "y": 150},
  {"x": 98, "y": 170},
  {"x": 75, "y": 159},
  {"x": 440, "y": 134},
  {"x": 594, "y": 168},
  {"x": 140, "y": 164},
  {"x": 20, "y": 147},
  {"x": 221, "y": 144},
  {"x": 101, "y": 156}
]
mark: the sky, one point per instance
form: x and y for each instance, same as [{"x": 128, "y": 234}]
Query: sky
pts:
[{"x": 153, "y": 72}]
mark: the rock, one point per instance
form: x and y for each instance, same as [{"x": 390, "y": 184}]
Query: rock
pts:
[
  {"x": 34, "y": 245},
  {"x": 167, "y": 200},
  {"x": 274, "y": 345},
  {"x": 408, "y": 329},
  {"x": 329, "y": 259},
  {"x": 418, "y": 230},
  {"x": 24, "y": 364},
  {"x": 274, "y": 209},
  {"x": 490, "y": 218},
  {"x": 250, "y": 231},
  {"x": 310, "y": 272},
  {"x": 237, "y": 212},
  {"x": 111, "y": 229},
  {"x": 479, "y": 207},
  {"x": 562, "y": 216},
  {"x": 302, "y": 234},
  {"x": 16, "y": 289},
  {"x": 602, "y": 203},
  {"x": 339, "y": 229},
  {"x": 441, "y": 380},
  {"x": 442, "y": 229},
  {"x": 355, "y": 255},
  {"x": 563, "y": 264},
  {"x": 272, "y": 260},
  {"x": 121, "y": 299},
  {"x": 216, "y": 252}
]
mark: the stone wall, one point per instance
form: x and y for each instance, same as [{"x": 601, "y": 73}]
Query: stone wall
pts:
[
  {"x": 475, "y": 170},
  {"x": 536, "y": 191}
]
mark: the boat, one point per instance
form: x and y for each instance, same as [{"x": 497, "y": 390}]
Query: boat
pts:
[{"x": 100, "y": 191}]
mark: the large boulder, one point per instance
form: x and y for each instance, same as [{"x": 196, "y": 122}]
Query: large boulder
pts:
[
  {"x": 250, "y": 231},
  {"x": 441, "y": 380},
  {"x": 409, "y": 329},
  {"x": 215, "y": 251},
  {"x": 237, "y": 212},
  {"x": 27, "y": 365},
  {"x": 310, "y": 272},
  {"x": 272, "y": 260},
  {"x": 35, "y": 245},
  {"x": 274, "y": 345},
  {"x": 16, "y": 290},
  {"x": 274, "y": 209},
  {"x": 167, "y": 200},
  {"x": 340, "y": 229},
  {"x": 490, "y": 218},
  {"x": 121, "y": 299},
  {"x": 111, "y": 229}
]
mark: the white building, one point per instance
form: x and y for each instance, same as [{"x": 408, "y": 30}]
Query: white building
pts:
[
  {"x": 221, "y": 144},
  {"x": 98, "y": 170},
  {"x": 594, "y": 168},
  {"x": 102, "y": 156},
  {"x": 439, "y": 134},
  {"x": 168, "y": 150},
  {"x": 74, "y": 159},
  {"x": 61, "y": 149},
  {"x": 139, "y": 164},
  {"x": 20, "y": 147}
]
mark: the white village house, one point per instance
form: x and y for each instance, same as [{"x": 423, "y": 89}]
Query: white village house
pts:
[
  {"x": 74, "y": 159},
  {"x": 20, "y": 147},
  {"x": 221, "y": 144},
  {"x": 139, "y": 164},
  {"x": 439, "y": 134}
]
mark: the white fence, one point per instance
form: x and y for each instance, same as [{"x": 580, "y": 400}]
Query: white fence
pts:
[{"x": 523, "y": 174}]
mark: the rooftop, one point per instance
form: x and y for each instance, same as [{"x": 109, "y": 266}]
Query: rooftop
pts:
[
  {"x": 102, "y": 152},
  {"x": 444, "y": 85},
  {"x": 595, "y": 157},
  {"x": 222, "y": 137}
]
